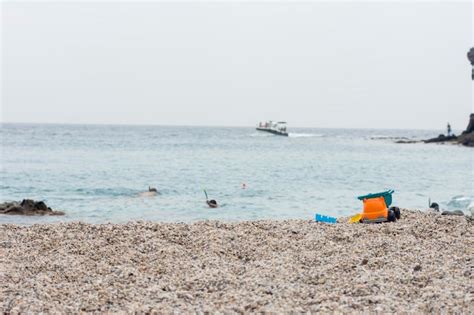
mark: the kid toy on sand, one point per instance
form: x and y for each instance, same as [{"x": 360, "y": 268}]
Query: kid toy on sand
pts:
[
  {"x": 376, "y": 208},
  {"x": 325, "y": 219}
]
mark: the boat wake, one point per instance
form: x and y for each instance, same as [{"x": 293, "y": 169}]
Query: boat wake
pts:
[
  {"x": 303, "y": 135},
  {"x": 261, "y": 134}
]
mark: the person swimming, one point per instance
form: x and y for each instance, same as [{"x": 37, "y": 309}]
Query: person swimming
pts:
[
  {"x": 152, "y": 192},
  {"x": 212, "y": 203}
]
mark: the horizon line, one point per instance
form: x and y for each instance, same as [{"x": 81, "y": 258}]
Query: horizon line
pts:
[{"x": 203, "y": 126}]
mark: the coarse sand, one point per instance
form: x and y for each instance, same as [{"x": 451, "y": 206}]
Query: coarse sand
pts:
[{"x": 421, "y": 263}]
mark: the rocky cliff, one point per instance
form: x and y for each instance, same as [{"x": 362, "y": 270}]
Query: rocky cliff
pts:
[
  {"x": 467, "y": 137},
  {"x": 470, "y": 56}
]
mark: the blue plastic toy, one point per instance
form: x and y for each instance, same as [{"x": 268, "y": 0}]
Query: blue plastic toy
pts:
[{"x": 325, "y": 219}]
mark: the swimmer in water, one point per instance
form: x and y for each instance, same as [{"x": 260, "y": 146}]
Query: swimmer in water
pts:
[
  {"x": 150, "y": 193},
  {"x": 212, "y": 203}
]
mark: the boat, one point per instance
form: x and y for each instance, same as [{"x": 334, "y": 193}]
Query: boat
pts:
[{"x": 277, "y": 128}]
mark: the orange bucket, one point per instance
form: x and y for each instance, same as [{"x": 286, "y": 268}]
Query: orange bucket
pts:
[{"x": 375, "y": 210}]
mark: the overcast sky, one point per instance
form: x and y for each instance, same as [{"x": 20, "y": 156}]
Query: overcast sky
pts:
[{"x": 321, "y": 64}]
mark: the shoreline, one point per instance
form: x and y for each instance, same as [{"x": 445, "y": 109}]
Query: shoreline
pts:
[{"x": 421, "y": 263}]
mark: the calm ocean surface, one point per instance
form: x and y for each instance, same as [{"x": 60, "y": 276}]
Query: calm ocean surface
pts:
[{"x": 96, "y": 173}]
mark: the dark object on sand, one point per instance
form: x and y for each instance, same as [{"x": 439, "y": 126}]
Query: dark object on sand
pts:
[
  {"x": 434, "y": 206},
  {"x": 391, "y": 217},
  {"x": 212, "y": 203},
  {"x": 454, "y": 212},
  {"x": 151, "y": 189},
  {"x": 27, "y": 207},
  {"x": 396, "y": 211}
]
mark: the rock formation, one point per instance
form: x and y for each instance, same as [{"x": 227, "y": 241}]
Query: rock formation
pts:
[
  {"x": 466, "y": 138},
  {"x": 470, "y": 56},
  {"x": 27, "y": 207},
  {"x": 470, "y": 126},
  {"x": 441, "y": 138}
]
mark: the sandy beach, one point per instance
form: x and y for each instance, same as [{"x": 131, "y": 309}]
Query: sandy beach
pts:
[{"x": 421, "y": 263}]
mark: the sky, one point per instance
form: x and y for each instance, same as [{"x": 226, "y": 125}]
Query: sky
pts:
[{"x": 399, "y": 65}]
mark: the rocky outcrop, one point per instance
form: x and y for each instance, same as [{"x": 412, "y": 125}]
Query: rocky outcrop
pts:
[
  {"x": 470, "y": 56},
  {"x": 27, "y": 207},
  {"x": 407, "y": 141},
  {"x": 441, "y": 138},
  {"x": 466, "y": 138},
  {"x": 470, "y": 126}
]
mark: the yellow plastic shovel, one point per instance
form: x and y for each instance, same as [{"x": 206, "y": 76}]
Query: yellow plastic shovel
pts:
[{"x": 355, "y": 218}]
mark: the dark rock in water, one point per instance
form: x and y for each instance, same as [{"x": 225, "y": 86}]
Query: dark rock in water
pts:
[
  {"x": 467, "y": 136},
  {"x": 441, "y": 138},
  {"x": 454, "y": 212},
  {"x": 470, "y": 126},
  {"x": 407, "y": 141},
  {"x": 40, "y": 205},
  {"x": 467, "y": 139},
  {"x": 470, "y": 56},
  {"x": 27, "y": 207}
]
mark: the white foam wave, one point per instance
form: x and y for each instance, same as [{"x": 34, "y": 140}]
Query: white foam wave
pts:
[
  {"x": 385, "y": 137},
  {"x": 304, "y": 135},
  {"x": 463, "y": 202},
  {"x": 379, "y": 137},
  {"x": 261, "y": 134},
  {"x": 471, "y": 208}
]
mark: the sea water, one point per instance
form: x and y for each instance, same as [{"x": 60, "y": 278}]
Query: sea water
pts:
[{"x": 98, "y": 173}]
